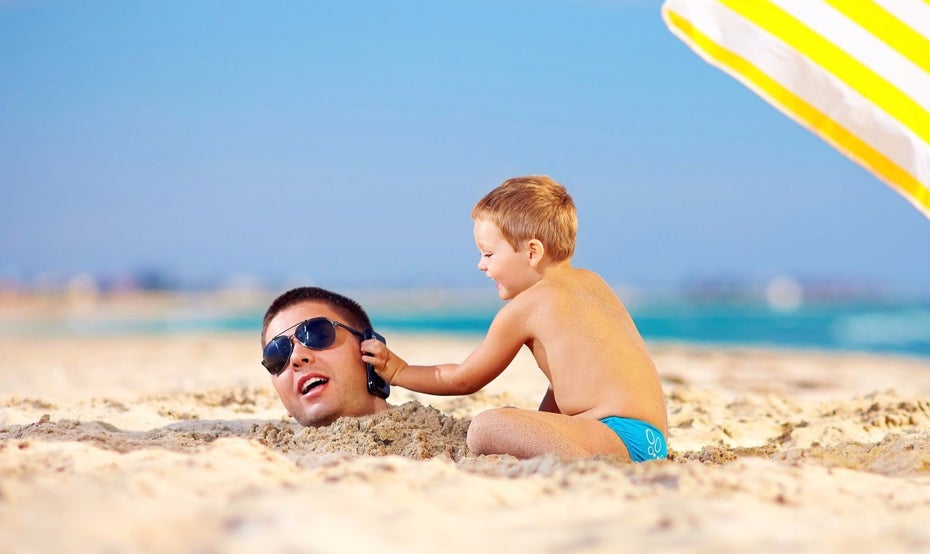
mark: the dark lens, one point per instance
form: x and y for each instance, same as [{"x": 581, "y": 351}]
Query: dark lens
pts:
[
  {"x": 276, "y": 355},
  {"x": 316, "y": 333}
]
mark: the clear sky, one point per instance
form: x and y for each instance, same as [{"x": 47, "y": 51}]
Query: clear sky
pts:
[{"x": 344, "y": 144}]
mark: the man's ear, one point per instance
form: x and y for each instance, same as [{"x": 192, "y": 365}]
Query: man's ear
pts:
[{"x": 536, "y": 251}]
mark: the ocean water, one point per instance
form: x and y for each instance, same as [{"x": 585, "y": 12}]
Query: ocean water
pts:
[
  {"x": 868, "y": 327},
  {"x": 886, "y": 327},
  {"x": 902, "y": 328}
]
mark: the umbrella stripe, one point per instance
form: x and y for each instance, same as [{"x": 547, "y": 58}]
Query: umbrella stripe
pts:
[
  {"x": 889, "y": 29},
  {"x": 836, "y": 61},
  {"x": 915, "y": 12},
  {"x": 881, "y": 45},
  {"x": 773, "y": 66},
  {"x": 824, "y": 92}
]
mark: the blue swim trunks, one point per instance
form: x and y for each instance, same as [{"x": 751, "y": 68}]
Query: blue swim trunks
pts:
[{"x": 643, "y": 440}]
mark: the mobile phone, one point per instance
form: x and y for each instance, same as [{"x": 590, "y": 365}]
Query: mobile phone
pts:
[{"x": 376, "y": 385}]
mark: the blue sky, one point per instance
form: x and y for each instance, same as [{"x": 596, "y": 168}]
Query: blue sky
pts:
[{"x": 344, "y": 144}]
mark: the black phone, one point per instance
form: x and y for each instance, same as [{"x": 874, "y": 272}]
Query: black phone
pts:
[{"x": 376, "y": 385}]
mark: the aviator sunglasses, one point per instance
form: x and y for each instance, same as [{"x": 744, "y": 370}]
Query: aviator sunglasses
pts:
[{"x": 317, "y": 333}]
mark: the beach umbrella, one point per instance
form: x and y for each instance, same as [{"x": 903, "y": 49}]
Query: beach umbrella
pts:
[{"x": 854, "y": 72}]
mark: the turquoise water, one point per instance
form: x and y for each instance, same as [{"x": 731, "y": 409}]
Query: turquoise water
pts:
[
  {"x": 893, "y": 328},
  {"x": 875, "y": 327},
  {"x": 902, "y": 328}
]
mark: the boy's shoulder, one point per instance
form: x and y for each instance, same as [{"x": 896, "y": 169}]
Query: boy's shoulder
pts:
[
  {"x": 568, "y": 281},
  {"x": 540, "y": 295},
  {"x": 526, "y": 302},
  {"x": 569, "y": 287},
  {"x": 541, "y": 290}
]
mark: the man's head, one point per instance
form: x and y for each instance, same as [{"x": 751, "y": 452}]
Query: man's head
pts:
[
  {"x": 319, "y": 386},
  {"x": 532, "y": 207}
]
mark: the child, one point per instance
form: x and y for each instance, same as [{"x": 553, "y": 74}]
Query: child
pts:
[{"x": 605, "y": 396}]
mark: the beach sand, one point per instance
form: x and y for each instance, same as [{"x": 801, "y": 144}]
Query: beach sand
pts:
[{"x": 177, "y": 443}]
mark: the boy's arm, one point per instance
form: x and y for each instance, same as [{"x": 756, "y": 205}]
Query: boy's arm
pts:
[{"x": 505, "y": 336}]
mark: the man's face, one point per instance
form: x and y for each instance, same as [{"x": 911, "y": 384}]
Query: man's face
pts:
[{"x": 339, "y": 369}]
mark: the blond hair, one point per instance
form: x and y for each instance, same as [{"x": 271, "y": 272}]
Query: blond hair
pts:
[{"x": 532, "y": 207}]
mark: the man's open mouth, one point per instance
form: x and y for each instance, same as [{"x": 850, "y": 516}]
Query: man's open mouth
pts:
[{"x": 312, "y": 383}]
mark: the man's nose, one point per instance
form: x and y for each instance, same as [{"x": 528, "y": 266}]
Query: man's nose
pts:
[{"x": 300, "y": 355}]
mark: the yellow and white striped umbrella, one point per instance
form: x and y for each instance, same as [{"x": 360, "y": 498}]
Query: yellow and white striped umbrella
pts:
[{"x": 854, "y": 72}]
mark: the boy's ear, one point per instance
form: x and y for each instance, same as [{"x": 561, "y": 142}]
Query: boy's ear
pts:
[{"x": 536, "y": 251}]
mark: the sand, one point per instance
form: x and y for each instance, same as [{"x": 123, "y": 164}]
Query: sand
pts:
[{"x": 177, "y": 443}]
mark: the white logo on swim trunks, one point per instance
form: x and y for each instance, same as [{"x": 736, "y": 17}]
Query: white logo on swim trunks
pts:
[{"x": 653, "y": 439}]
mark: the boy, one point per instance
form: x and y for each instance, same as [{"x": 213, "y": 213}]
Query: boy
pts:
[{"x": 605, "y": 396}]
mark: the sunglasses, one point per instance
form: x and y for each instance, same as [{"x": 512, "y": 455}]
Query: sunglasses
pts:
[{"x": 317, "y": 333}]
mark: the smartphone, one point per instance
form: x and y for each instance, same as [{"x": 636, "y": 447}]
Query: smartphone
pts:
[{"x": 376, "y": 385}]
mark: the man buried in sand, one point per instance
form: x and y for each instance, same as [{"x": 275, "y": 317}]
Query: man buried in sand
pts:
[
  {"x": 605, "y": 396},
  {"x": 310, "y": 340}
]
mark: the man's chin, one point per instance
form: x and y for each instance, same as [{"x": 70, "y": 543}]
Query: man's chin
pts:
[
  {"x": 317, "y": 416},
  {"x": 307, "y": 422}
]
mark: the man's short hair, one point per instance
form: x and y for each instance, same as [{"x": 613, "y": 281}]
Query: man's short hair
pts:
[
  {"x": 532, "y": 207},
  {"x": 349, "y": 310}
]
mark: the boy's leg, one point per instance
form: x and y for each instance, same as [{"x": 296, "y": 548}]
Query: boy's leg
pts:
[{"x": 526, "y": 433}]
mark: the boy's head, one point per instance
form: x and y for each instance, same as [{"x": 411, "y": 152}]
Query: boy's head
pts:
[{"x": 532, "y": 207}]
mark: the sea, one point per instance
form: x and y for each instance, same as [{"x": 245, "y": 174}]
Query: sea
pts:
[
  {"x": 860, "y": 325},
  {"x": 885, "y": 327}
]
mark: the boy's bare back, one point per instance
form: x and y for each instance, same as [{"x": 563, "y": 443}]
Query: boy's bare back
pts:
[{"x": 586, "y": 343}]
